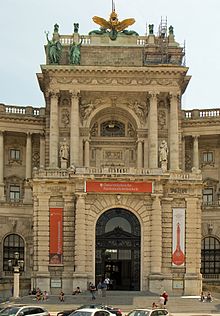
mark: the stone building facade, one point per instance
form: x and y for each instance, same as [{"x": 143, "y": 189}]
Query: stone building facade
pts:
[{"x": 112, "y": 177}]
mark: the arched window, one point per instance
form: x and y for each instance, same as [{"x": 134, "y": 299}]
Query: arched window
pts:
[
  {"x": 210, "y": 256},
  {"x": 12, "y": 244},
  {"x": 112, "y": 129}
]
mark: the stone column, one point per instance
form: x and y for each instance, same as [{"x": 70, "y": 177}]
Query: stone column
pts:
[
  {"x": 74, "y": 129},
  {"x": 27, "y": 188},
  {"x": 87, "y": 159},
  {"x": 153, "y": 132},
  {"x": 146, "y": 163},
  {"x": 54, "y": 130},
  {"x": 183, "y": 153},
  {"x": 139, "y": 154},
  {"x": 196, "y": 152},
  {"x": 28, "y": 156},
  {"x": 156, "y": 235},
  {"x": 174, "y": 132},
  {"x": 2, "y": 194},
  {"x": 42, "y": 151},
  {"x": 80, "y": 235}
]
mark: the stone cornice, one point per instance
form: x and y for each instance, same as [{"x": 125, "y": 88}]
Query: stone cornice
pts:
[
  {"x": 150, "y": 70},
  {"x": 22, "y": 118}
]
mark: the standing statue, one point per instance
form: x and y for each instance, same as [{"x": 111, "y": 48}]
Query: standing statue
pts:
[
  {"x": 64, "y": 151},
  {"x": 54, "y": 50},
  {"x": 163, "y": 155},
  {"x": 74, "y": 53}
]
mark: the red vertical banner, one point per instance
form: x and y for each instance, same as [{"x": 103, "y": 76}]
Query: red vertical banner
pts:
[{"x": 56, "y": 235}]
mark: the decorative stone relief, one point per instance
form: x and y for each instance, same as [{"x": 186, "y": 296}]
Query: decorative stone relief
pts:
[
  {"x": 86, "y": 108},
  {"x": 162, "y": 119},
  {"x": 112, "y": 155},
  {"x": 140, "y": 109},
  {"x": 65, "y": 117},
  {"x": 130, "y": 131},
  {"x": 188, "y": 161},
  {"x": 36, "y": 158},
  {"x": 94, "y": 130}
]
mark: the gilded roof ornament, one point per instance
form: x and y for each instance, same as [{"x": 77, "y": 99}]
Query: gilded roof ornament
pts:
[{"x": 113, "y": 24}]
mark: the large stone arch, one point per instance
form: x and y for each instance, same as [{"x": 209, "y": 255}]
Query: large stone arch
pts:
[
  {"x": 97, "y": 205},
  {"x": 116, "y": 111}
]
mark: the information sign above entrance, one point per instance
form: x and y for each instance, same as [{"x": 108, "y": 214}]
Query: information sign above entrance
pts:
[{"x": 117, "y": 187}]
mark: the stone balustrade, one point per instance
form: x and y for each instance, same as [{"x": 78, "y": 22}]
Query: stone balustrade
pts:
[
  {"x": 114, "y": 171},
  {"x": 200, "y": 114},
  {"x": 21, "y": 110}
]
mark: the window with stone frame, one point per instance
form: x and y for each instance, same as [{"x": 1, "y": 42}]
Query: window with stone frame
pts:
[
  {"x": 14, "y": 189},
  {"x": 210, "y": 256},
  {"x": 208, "y": 158},
  {"x": 14, "y": 156},
  {"x": 208, "y": 196},
  {"x": 15, "y": 193},
  {"x": 12, "y": 243}
]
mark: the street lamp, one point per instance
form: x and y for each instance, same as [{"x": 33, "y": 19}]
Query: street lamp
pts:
[{"x": 17, "y": 265}]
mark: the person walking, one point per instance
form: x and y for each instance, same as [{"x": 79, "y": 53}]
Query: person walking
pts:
[
  {"x": 165, "y": 295},
  {"x": 61, "y": 296},
  {"x": 92, "y": 289}
]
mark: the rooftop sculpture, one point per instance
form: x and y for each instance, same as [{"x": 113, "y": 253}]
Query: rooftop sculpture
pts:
[{"x": 113, "y": 25}]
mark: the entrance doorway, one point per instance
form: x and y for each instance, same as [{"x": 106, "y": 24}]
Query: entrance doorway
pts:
[{"x": 118, "y": 249}]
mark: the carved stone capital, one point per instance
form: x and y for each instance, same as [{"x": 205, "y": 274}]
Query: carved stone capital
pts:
[{"x": 74, "y": 94}]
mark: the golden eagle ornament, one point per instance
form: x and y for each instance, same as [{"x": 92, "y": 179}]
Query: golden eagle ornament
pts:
[{"x": 113, "y": 24}]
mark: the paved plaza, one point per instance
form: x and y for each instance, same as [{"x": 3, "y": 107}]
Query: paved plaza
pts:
[{"x": 128, "y": 300}]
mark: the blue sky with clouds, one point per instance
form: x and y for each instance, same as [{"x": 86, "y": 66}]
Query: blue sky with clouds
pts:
[{"x": 23, "y": 23}]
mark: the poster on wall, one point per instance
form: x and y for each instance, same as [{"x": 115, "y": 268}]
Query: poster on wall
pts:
[
  {"x": 178, "y": 249},
  {"x": 56, "y": 235}
]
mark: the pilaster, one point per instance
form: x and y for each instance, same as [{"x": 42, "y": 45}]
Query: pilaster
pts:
[
  {"x": 54, "y": 130},
  {"x": 87, "y": 160},
  {"x": 153, "y": 131},
  {"x": 139, "y": 153},
  {"x": 196, "y": 152},
  {"x": 80, "y": 235},
  {"x": 174, "y": 132},
  {"x": 42, "y": 151},
  {"x": 2, "y": 186},
  {"x": 74, "y": 129}
]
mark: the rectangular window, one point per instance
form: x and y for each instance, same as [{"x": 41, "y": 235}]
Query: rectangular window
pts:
[
  {"x": 15, "y": 154},
  {"x": 14, "y": 193},
  {"x": 208, "y": 196},
  {"x": 208, "y": 156}
]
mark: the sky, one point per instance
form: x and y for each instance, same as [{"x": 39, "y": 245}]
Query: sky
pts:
[{"x": 23, "y": 24}]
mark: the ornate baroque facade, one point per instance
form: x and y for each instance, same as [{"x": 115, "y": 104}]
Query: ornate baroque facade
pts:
[{"x": 112, "y": 177}]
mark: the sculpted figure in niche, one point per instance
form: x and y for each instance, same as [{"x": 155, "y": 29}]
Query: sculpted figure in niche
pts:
[
  {"x": 64, "y": 151},
  {"x": 163, "y": 155}
]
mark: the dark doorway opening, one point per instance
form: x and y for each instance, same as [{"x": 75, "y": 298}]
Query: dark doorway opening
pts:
[{"x": 118, "y": 249}]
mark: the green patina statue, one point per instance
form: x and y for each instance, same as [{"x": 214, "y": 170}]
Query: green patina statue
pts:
[
  {"x": 54, "y": 49},
  {"x": 75, "y": 53},
  {"x": 151, "y": 29},
  {"x": 170, "y": 30}
]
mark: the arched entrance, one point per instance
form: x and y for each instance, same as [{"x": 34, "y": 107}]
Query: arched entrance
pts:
[{"x": 118, "y": 249}]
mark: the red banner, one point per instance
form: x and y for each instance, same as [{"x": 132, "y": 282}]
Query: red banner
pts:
[
  {"x": 56, "y": 235},
  {"x": 117, "y": 187}
]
